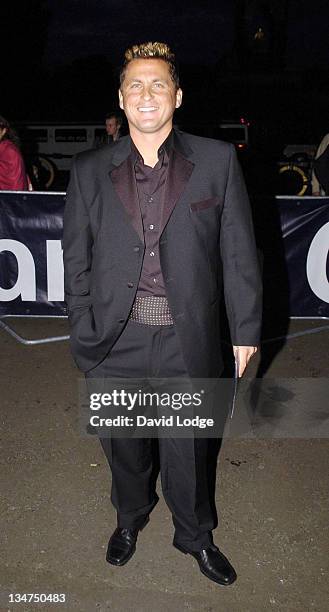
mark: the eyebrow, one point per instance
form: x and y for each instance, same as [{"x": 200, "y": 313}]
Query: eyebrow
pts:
[{"x": 135, "y": 80}]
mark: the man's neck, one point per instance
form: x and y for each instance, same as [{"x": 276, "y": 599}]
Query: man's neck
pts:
[{"x": 149, "y": 144}]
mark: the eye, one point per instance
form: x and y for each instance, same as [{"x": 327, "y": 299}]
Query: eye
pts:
[{"x": 158, "y": 85}]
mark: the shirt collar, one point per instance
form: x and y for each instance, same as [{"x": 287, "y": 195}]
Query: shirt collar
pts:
[{"x": 165, "y": 147}]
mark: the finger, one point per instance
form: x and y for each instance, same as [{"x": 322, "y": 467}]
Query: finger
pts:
[
  {"x": 242, "y": 368},
  {"x": 242, "y": 365},
  {"x": 243, "y": 358}
]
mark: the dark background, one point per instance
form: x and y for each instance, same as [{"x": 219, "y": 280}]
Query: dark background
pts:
[{"x": 60, "y": 59}]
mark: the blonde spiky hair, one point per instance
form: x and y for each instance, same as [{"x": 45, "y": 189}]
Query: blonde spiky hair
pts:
[{"x": 151, "y": 50}]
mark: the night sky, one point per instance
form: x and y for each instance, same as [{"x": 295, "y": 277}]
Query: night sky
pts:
[
  {"x": 72, "y": 49},
  {"x": 200, "y": 32}
]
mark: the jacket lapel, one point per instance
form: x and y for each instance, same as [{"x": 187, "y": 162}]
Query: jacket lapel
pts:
[
  {"x": 124, "y": 183},
  {"x": 179, "y": 172},
  {"x": 123, "y": 179}
]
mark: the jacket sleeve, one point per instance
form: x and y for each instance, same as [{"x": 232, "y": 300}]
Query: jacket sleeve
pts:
[
  {"x": 77, "y": 246},
  {"x": 241, "y": 274}
]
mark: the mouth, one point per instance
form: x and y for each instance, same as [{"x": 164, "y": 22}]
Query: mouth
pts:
[{"x": 147, "y": 109}]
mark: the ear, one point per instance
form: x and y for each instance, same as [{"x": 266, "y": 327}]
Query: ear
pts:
[
  {"x": 120, "y": 99},
  {"x": 179, "y": 96}
]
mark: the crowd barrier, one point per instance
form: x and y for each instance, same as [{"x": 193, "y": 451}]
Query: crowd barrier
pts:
[{"x": 292, "y": 234}]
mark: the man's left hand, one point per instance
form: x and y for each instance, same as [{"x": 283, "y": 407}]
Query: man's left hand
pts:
[{"x": 242, "y": 355}]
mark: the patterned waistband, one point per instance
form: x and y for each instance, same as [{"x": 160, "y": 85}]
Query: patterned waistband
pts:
[{"x": 151, "y": 310}]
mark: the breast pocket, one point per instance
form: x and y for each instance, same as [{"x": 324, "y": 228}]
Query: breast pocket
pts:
[{"x": 205, "y": 204}]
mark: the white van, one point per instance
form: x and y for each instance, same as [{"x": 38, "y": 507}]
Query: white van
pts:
[
  {"x": 49, "y": 147},
  {"x": 58, "y": 142}
]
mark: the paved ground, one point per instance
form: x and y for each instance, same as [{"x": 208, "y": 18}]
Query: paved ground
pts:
[{"x": 57, "y": 516}]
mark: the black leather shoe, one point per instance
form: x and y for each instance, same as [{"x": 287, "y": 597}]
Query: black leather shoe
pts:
[
  {"x": 122, "y": 544},
  {"x": 213, "y": 564}
]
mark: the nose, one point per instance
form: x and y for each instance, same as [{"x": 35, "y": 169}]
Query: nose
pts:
[{"x": 147, "y": 92}]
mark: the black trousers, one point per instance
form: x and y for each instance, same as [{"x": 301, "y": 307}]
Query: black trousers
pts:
[{"x": 149, "y": 351}]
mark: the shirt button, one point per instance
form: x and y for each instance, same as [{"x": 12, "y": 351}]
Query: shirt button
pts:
[
  {"x": 151, "y": 226},
  {"x": 130, "y": 285},
  {"x": 152, "y": 254},
  {"x": 150, "y": 200},
  {"x": 155, "y": 280}
]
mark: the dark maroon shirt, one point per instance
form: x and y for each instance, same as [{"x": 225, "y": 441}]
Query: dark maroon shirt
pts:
[{"x": 151, "y": 193}]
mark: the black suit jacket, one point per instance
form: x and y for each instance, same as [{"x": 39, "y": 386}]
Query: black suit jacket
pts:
[{"x": 207, "y": 237}]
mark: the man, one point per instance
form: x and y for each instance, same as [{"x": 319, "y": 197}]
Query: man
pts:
[
  {"x": 113, "y": 123},
  {"x": 150, "y": 223}
]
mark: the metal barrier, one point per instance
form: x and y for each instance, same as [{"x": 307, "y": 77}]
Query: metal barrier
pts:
[
  {"x": 26, "y": 341},
  {"x": 31, "y": 225}
]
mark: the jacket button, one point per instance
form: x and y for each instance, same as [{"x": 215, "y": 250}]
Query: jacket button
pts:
[
  {"x": 136, "y": 249},
  {"x": 121, "y": 320},
  {"x": 130, "y": 285}
]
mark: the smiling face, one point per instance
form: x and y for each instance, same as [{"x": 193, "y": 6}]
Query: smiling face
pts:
[{"x": 149, "y": 97}]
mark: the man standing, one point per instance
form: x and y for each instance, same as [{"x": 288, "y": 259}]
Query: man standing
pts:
[
  {"x": 113, "y": 123},
  {"x": 151, "y": 226}
]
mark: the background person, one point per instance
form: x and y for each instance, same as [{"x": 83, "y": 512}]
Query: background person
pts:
[
  {"x": 13, "y": 175},
  {"x": 113, "y": 123}
]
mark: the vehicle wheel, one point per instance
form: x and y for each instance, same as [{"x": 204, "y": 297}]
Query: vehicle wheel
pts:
[
  {"x": 293, "y": 180},
  {"x": 44, "y": 171}
]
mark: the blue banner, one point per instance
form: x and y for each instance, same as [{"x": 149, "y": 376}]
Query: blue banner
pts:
[
  {"x": 292, "y": 234},
  {"x": 305, "y": 233},
  {"x": 31, "y": 259}
]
